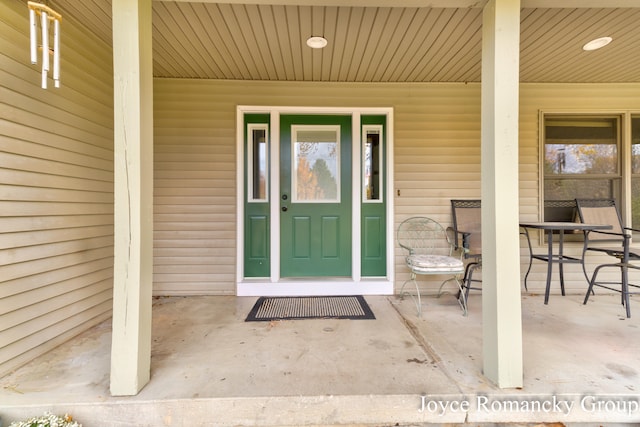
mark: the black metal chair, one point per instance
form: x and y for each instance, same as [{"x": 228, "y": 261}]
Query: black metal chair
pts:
[
  {"x": 614, "y": 242},
  {"x": 466, "y": 233},
  {"x": 554, "y": 211}
]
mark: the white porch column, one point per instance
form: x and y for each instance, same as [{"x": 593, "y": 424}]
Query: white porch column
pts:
[
  {"x": 501, "y": 305},
  {"x": 133, "y": 151}
]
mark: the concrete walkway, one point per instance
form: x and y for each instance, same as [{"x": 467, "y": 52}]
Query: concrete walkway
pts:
[{"x": 211, "y": 368}]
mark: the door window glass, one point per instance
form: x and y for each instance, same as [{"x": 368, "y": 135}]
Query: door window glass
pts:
[{"x": 316, "y": 164}]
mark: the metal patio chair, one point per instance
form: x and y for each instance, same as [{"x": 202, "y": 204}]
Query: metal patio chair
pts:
[
  {"x": 554, "y": 211},
  {"x": 466, "y": 233},
  {"x": 429, "y": 252},
  {"x": 615, "y": 243}
]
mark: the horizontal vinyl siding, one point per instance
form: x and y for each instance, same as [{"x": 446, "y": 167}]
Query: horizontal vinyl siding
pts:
[
  {"x": 194, "y": 190},
  {"x": 56, "y": 190},
  {"x": 437, "y": 149},
  {"x": 437, "y": 158}
]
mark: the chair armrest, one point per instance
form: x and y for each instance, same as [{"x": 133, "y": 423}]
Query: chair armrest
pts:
[
  {"x": 451, "y": 235},
  {"x": 621, "y": 253},
  {"x": 609, "y": 233},
  {"x": 464, "y": 236},
  {"x": 406, "y": 248}
]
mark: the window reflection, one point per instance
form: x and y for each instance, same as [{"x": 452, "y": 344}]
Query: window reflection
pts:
[
  {"x": 581, "y": 157},
  {"x": 258, "y": 161},
  {"x": 316, "y": 164},
  {"x": 372, "y": 167}
]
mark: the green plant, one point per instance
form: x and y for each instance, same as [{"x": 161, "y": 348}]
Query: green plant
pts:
[{"x": 47, "y": 420}]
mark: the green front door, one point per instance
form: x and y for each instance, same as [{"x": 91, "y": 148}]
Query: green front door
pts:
[{"x": 315, "y": 196}]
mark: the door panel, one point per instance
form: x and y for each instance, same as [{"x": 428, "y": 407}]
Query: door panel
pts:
[
  {"x": 330, "y": 233},
  {"x": 257, "y": 239},
  {"x": 301, "y": 238},
  {"x": 315, "y": 180},
  {"x": 373, "y": 220}
]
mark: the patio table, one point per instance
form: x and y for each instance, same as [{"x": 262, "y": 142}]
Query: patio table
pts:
[{"x": 559, "y": 258}]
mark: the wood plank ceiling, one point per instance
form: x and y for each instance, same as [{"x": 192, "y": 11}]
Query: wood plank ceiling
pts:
[{"x": 372, "y": 44}]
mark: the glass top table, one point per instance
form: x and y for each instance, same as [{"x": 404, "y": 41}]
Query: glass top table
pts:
[{"x": 558, "y": 258}]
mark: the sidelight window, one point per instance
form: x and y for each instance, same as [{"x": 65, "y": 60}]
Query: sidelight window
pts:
[
  {"x": 258, "y": 149},
  {"x": 372, "y": 163}
]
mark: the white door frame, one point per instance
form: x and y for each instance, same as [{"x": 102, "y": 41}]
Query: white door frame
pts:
[{"x": 276, "y": 286}]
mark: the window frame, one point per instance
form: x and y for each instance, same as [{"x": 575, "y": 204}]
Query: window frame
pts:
[
  {"x": 629, "y": 136},
  {"x": 624, "y": 143}
]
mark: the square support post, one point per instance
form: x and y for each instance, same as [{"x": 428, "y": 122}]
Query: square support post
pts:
[
  {"x": 133, "y": 187},
  {"x": 501, "y": 304}
]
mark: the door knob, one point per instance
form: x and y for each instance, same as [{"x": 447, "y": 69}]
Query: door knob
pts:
[{"x": 284, "y": 209}]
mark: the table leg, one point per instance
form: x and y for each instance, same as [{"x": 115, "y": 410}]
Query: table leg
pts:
[
  {"x": 549, "y": 265},
  {"x": 560, "y": 252}
]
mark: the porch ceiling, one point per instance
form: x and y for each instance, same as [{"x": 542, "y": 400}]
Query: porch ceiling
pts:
[{"x": 403, "y": 43}]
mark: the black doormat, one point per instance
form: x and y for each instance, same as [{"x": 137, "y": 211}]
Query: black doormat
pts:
[{"x": 287, "y": 308}]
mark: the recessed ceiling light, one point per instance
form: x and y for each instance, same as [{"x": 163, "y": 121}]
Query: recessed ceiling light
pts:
[
  {"x": 316, "y": 42},
  {"x": 597, "y": 43}
]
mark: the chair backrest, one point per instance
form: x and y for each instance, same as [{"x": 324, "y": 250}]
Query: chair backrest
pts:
[
  {"x": 560, "y": 210},
  {"x": 421, "y": 235},
  {"x": 600, "y": 211},
  {"x": 466, "y": 216}
]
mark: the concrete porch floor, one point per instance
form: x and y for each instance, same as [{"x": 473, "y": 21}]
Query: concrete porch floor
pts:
[{"x": 211, "y": 368}]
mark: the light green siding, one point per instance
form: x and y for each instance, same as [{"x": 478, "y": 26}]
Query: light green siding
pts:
[
  {"x": 437, "y": 131},
  {"x": 436, "y": 150},
  {"x": 56, "y": 190}
]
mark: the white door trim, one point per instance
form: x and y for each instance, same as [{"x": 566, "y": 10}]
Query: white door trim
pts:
[{"x": 274, "y": 285}]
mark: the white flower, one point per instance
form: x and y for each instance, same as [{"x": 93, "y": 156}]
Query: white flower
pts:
[{"x": 47, "y": 420}]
